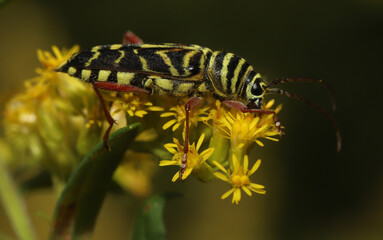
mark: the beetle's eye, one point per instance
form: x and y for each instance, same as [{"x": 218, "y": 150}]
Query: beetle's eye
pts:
[{"x": 256, "y": 90}]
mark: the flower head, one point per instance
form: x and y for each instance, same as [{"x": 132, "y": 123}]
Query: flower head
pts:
[
  {"x": 244, "y": 128},
  {"x": 51, "y": 62},
  {"x": 195, "y": 161},
  {"x": 50, "y": 114},
  {"x": 134, "y": 105},
  {"x": 239, "y": 178},
  {"x": 178, "y": 112},
  {"x": 135, "y": 172}
]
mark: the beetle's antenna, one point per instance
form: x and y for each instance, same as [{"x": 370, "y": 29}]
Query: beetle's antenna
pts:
[
  {"x": 322, "y": 110},
  {"x": 310, "y": 80}
]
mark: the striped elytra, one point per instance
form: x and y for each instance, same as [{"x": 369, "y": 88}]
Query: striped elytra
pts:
[{"x": 169, "y": 69}]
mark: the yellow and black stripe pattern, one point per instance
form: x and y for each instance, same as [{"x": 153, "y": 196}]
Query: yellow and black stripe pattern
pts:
[{"x": 169, "y": 69}]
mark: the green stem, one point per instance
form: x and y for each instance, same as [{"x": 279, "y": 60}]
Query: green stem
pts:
[
  {"x": 239, "y": 153},
  {"x": 14, "y": 205},
  {"x": 220, "y": 145},
  {"x": 58, "y": 185}
]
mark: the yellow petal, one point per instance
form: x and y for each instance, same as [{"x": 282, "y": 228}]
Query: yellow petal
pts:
[
  {"x": 186, "y": 173},
  {"x": 259, "y": 143},
  {"x": 273, "y": 139},
  {"x": 176, "y": 176},
  {"x": 253, "y": 123},
  {"x": 235, "y": 164},
  {"x": 256, "y": 186},
  {"x": 140, "y": 113},
  {"x": 200, "y": 141},
  {"x": 246, "y": 190},
  {"x": 175, "y": 127},
  {"x": 227, "y": 124},
  {"x": 260, "y": 191},
  {"x": 57, "y": 52},
  {"x": 168, "y": 114},
  {"x": 279, "y": 108},
  {"x": 269, "y": 104},
  {"x": 245, "y": 164},
  {"x": 226, "y": 194},
  {"x": 171, "y": 148},
  {"x": 206, "y": 154},
  {"x": 222, "y": 177},
  {"x": 168, "y": 163},
  {"x": 220, "y": 166},
  {"x": 169, "y": 124},
  {"x": 261, "y": 129},
  {"x": 236, "y": 196},
  {"x": 255, "y": 167},
  {"x": 156, "y": 109},
  {"x": 241, "y": 145}
]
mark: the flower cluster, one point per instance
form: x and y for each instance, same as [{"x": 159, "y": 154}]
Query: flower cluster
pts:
[
  {"x": 57, "y": 119},
  {"x": 232, "y": 134}
]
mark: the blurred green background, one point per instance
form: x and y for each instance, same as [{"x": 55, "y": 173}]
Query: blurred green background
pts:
[{"x": 312, "y": 191}]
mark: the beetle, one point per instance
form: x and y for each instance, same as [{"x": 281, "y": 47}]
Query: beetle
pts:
[{"x": 178, "y": 70}]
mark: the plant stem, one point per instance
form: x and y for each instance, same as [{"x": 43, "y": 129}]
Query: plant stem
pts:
[{"x": 14, "y": 205}]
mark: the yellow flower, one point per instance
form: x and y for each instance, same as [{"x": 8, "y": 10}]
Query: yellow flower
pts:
[
  {"x": 244, "y": 128},
  {"x": 50, "y": 114},
  {"x": 135, "y": 172},
  {"x": 178, "y": 112},
  {"x": 46, "y": 83},
  {"x": 195, "y": 161},
  {"x": 239, "y": 179},
  {"x": 134, "y": 105},
  {"x": 51, "y": 62}
]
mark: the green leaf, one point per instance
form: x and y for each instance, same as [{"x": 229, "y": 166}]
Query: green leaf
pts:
[
  {"x": 82, "y": 197},
  {"x": 149, "y": 224}
]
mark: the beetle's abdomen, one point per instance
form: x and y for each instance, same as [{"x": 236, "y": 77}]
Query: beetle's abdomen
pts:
[{"x": 227, "y": 72}]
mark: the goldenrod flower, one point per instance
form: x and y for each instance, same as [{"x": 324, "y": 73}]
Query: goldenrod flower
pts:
[
  {"x": 50, "y": 114},
  {"x": 244, "y": 128},
  {"x": 178, "y": 112},
  {"x": 195, "y": 161},
  {"x": 51, "y": 62},
  {"x": 239, "y": 179},
  {"x": 46, "y": 83},
  {"x": 134, "y": 105},
  {"x": 135, "y": 172}
]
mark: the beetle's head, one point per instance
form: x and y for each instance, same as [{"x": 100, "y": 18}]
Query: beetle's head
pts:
[{"x": 255, "y": 91}]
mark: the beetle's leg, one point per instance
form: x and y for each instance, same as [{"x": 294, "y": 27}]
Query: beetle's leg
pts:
[
  {"x": 241, "y": 107},
  {"x": 107, "y": 115},
  {"x": 112, "y": 87},
  {"x": 192, "y": 103},
  {"x": 130, "y": 37},
  {"x": 118, "y": 87}
]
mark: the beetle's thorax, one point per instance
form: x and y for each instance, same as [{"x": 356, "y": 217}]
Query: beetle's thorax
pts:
[{"x": 232, "y": 77}]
